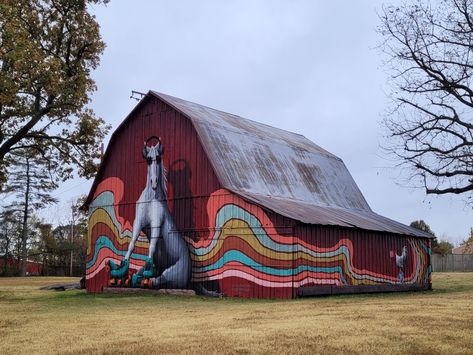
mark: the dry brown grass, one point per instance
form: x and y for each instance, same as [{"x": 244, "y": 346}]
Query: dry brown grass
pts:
[{"x": 34, "y": 321}]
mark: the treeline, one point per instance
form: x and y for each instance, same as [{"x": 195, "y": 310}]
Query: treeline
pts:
[
  {"x": 48, "y": 134},
  {"x": 442, "y": 246},
  {"x": 49, "y": 248},
  {"x": 25, "y": 239}
]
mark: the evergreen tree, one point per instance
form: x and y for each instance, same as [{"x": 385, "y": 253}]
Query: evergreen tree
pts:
[
  {"x": 10, "y": 227},
  {"x": 31, "y": 185}
]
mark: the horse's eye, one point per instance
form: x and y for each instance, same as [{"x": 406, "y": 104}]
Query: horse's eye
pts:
[
  {"x": 149, "y": 160},
  {"x": 158, "y": 158}
]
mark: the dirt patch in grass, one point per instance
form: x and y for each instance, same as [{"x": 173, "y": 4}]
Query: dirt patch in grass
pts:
[{"x": 75, "y": 322}]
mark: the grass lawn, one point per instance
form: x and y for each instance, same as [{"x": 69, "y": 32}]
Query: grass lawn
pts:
[{"x": 34, "y": 321}]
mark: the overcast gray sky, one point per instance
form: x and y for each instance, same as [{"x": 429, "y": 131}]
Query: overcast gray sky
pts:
[{"x": 309, "y": 67}]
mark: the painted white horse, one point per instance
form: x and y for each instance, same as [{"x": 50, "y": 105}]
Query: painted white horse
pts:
[{"x": 168, "y": 253}]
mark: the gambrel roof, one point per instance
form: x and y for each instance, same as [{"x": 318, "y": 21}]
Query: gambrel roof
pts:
[{"x": 282, "y": 171}]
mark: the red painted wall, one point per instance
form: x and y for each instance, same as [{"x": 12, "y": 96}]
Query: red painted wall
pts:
[{"x": 190, "y": 176}]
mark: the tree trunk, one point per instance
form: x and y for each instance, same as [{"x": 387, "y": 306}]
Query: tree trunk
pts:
[
  {"x": 24, "y": 231},
  {"x": 7, "y": 251}
]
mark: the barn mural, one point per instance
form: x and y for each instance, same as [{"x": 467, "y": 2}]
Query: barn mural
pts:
[{"x": 190, "y": 227}]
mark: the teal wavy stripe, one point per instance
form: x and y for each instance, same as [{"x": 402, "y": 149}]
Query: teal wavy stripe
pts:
[
  {"x": 427, "y": 274},
  {"x": 235, "y": 255},
  {"x": 231, "y": 211},
  {"x": 104, "y": 242},
  {"x": 105, "y": 201},
  {"x": 238, "y": 256},
  {"x": 426, "y": 248}
]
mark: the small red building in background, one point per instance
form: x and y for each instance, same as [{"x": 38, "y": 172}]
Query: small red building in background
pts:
[
  {"x": 32, "y": 267},
  {"x": 265, "y": 212}
]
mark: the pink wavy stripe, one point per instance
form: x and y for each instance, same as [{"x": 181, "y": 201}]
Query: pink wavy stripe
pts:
[
  {"x": 347, "y": 243},
  {"x": 266, "y": 283},
  {"x": 273, "y": 278}
]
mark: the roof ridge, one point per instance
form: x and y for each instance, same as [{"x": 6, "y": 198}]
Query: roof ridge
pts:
[{"x": 163, "y": 96}]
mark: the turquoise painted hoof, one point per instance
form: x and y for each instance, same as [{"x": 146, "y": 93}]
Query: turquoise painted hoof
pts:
[
  {"x": 148, "y": 271},
  {"x": 149, "y": 264},
  {"x": 148, "y": 274},
  {"x": 121, "y": 271},
  {"x": 112, "y": 265},
  {"x": 136, "y": 280}
]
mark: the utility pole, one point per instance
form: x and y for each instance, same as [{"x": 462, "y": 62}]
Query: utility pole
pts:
[{"x": 72, "y": 235}]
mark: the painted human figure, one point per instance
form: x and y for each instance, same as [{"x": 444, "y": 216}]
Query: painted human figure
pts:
[{"x": 400, "y": 259}]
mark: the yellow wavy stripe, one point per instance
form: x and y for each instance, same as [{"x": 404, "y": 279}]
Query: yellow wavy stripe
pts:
[
  {"x": 422, "y": 257},
  {"x": 101, "y": 215},
  {"x": 240, "y": 228}
]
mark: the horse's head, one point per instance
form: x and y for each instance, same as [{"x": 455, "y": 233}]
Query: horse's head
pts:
[{"x": 153, "y": 155}]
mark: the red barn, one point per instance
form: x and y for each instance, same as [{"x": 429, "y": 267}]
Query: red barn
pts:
[{"x": 245, "y": 209}]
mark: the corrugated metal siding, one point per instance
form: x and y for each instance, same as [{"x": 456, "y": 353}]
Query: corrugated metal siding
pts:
[{"x": 364, "y": 257}]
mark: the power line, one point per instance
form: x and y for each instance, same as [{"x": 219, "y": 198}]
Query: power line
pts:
[{"x": 71, "y": 188}]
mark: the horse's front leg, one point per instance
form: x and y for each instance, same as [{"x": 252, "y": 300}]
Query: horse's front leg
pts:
[
  {"x": 153, "y": 240},
  {"x": 120, "y": 271},
  {"x": 137, "y": 226},
  {"x": 156, "y": 221},
  {"x": 149, "y": 268}
]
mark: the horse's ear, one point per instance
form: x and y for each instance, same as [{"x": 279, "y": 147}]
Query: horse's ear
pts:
[{"x": 145, "y": 152}]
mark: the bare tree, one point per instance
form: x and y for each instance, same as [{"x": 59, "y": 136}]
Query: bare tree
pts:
[{"x": 429, "y": 46}]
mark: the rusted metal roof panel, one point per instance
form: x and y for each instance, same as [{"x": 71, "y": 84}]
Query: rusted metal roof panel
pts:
[
  {"x": 253, "y": 158},
  {"x": 313, "y": 214},
  {"x": 282, "y": 171}
]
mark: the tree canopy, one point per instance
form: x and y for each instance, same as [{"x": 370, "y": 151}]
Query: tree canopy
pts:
[
  {"x": 48, "y": 49},
  {"x": 421, "y": 225},
  {"x": 468, "y": 242},
  {"x": 429, "y": 47}
]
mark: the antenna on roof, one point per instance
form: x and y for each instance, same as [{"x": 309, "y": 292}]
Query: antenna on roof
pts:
[{"x": 133, "y": 93}]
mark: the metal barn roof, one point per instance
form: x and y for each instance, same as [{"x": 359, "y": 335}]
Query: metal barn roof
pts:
[{"x": 282, "y": 171}]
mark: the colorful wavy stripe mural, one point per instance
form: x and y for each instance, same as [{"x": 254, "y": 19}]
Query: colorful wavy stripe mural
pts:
[
  {"x": 109, "y": 234},
  {"x": 240, "y": 246},
  {"x": 243, "y": 243}
]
